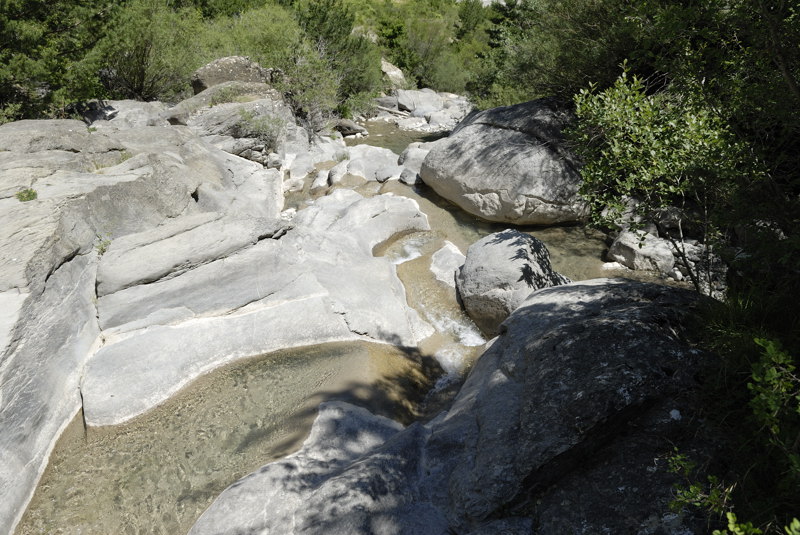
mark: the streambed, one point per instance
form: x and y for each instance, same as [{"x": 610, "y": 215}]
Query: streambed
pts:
[{"x": 158, "y": 473}]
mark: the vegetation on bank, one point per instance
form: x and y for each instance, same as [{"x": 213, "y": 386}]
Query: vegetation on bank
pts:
[{"x": 692, "y": 104}]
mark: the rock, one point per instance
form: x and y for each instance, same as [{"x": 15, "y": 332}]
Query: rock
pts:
[
  {"x": 320, "y": 181},
  {"x": 409, "y": 177},
  {"x": 178, "y": 246},
  {"x": 509, "y": 165},
  {"x": 225, "y": 92},
  {"x": 389, "y": 172},
  {"x": 264, "y": 118},
  {"x": 349, "y": 128},
  {"x": 412, "y": 123},
  {"x": 393, "y": 75},
  {"x": 371, "y": 163},
  {"x": 440, "y": 118},
  {"x": 412, "y": 157},
  {"x": 389, "y": 102},
  {"x": 161, "y": 335},
  {"x": 229, "y": 69},
  {"x": 647, "y": 252},
  {"x": 446, "y": 262},
  {"x": 340, "y": 434},
  {"x": 528, "y": 440},
  {"x": 40, "y": 371},
  {"x": 125, "y": 114},
  {"x": 613, "y": 266},
  {"x": 338, "y": 171},
  {"x": 96, "y": 190},
  {"x": 499, "y": 272},
  {"x": 412, "y": 99}
]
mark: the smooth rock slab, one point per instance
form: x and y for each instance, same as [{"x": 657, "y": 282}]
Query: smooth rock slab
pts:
[
  {"x": 39, "y": 379},
  {"x": 171, "y": 356},
  {"x": 183, "y": 244},
  {"x": 318, "y": 282}
]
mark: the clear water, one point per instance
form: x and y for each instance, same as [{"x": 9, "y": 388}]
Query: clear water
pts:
[
  {"x": 157, "y": 474},
  {"x": 386, "y": 134}
]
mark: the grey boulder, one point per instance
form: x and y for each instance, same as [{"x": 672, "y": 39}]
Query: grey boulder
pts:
[
  {"x": 642, "y": 251},
  {"x": 229, "y": 69},
  {"x": 509, "y": 165},
  {"x": 499, "y": 273}
]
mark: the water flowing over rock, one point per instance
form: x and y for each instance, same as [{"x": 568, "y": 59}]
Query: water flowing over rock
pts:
[
  {"x": 509, "y": 165},
  {"x": 499, "y": 272},
  {"x": 512, "y": 452}
]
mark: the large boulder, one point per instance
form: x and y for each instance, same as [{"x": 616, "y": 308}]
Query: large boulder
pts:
[
  {"x": 229, "y": 69},
  {"x": 510, "y": 165},
  {"x": 499, "y": 272},
  {"x": 642, "y": 251},
  {"x": 368, "y": 162},
  {"x": 411, "y": 100},
  {"x": 393, "y": 75},
  {"x": 565, "y": 423}
]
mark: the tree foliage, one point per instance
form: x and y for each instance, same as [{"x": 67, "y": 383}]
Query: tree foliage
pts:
[
  {"x": 40, "y": 44},
  {"x": 148, "y": 52}
]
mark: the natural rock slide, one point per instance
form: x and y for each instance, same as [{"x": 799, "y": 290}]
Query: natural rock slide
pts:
[{"x": 159, "y": 248}]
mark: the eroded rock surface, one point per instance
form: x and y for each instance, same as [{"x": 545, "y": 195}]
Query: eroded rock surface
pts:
[
  {"x": 161, "y": 335},
  {"x": 150, "y": 256},
  {"x": 509, "y": 165},
  {"x": 513, "y": 454}
]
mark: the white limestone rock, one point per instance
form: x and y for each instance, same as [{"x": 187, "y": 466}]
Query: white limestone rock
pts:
[
  {"x": 446, "y": 262},
  {"x": 642, "y": 252}
]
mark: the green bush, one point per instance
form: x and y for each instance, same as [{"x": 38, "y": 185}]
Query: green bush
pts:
[
  {"x": 310, "y": 86},
  {"x": 267, "y": 35},
  {"x": 41, "y": 44},
  {"x": 148, "y": 53},
  {"x": 645, "y": 152},
  {"x": 266, "y": 129},
  {"x": 26, "y": 195},
  {"x": 351, "y": 58}
]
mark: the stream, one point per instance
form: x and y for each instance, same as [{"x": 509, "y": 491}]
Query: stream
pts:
[{"x": 158, "y": 473}]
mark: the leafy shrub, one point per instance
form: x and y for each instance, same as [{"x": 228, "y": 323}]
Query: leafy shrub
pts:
[
  {"x": 266, "y": 129},
  {"x": 353, "y": 60},
  {"x": 148, "y": 53},
  {"x": 645, "y": 152},
  {"x": 310, "y": 86},
  {"x": 267, "y": 35}
]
